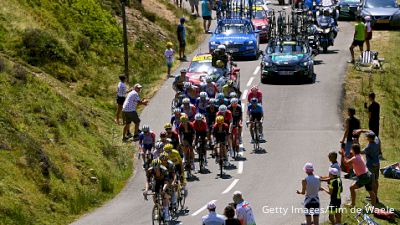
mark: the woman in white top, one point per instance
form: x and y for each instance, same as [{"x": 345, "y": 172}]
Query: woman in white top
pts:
[
  {"x": 368, "y": 31},
  {"x": 121, "y": 91},
  {"x": 311, "y": 185}
]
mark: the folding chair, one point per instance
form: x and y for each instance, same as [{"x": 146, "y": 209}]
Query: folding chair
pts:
[{"x": 369, "y": 61}]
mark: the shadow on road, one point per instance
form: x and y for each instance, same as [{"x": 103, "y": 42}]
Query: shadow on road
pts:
[
  {"x": 192, "y": 178},
  {"x": 230, "y": 167},
  {"x": 318, "y": 62},
  {"x": 224, "y": 176},
  {"x": 240, "y": 158},
  {"x": 259, "y": 151},
  {"x": 335, "y": 51}
]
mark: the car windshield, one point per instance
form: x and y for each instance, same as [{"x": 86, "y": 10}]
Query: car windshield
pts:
[
  {"x": 350, "y": 1},
  {"x": 259, "y": 14},
  {"x": 200, "y": 67},
  {"x": 259, "y": 2},
  {"x": 380, "y": 4},
  {"x": 287, "y": 49},
  {"x": 234, "y": 29}
]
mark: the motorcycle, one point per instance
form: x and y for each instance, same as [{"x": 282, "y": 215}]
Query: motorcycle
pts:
[{"x": 327, "y": 31}]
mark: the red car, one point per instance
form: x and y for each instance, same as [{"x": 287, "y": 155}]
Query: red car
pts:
[{"x": 261, "y": 22}]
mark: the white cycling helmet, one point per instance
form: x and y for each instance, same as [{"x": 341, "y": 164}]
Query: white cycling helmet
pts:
[
  {"x": 187, "y": 85},
  {"x": 203, "y": 94},
  {"x": 209, "y": 79},
  {"x": 212, "y": 101},
  {"x": 234, "y": 101},
  {"x": 222, "y": 108},
  {"x": 146, "y": 128},
  {"x": 222, "y": 47},
  {"x": 233, "y": 94},
  {"x": 198, "y": 117},
  {"x": 176, "y": 110},
  {"x": 186, "y": 101},
  {"x": 159, "y": 145}
]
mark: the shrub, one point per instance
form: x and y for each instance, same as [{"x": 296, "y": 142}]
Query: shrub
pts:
[{"x": 3, "y": 65}]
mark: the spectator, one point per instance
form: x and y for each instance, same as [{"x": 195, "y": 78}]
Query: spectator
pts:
[
  {"x": 213, "y": 218},
  {"x": 368, "y": 30},
  {"x": 335, "y": 190},
  {"x": 373, "y": 114},
  {"x": 351, "y": 124},
  {"x": 206, "y": 14},
  {"x": 364, "y": 177},
  {"x": 359, "y": 37},
  {"x": 121, "y": 92},
  {"x": 169, "y": 56},
  {"x": 181, "y": 33},
  {"x": 194, "y": 5},
  {"x": 334, "y": 164},
  {"x": 371, "y": 152},
  {"x": 244, "y": 212},
  {"x": 311, "y": 185},
  {"x": 129, "y": 113},
  {"x": 229, "y": 213}
]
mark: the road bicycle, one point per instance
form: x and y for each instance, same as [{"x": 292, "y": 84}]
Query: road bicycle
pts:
[
  {"x": 363, "y": 218},
  {"x": 201, "y": 150},
  {"x": 256, "y": 132},
  {"x": 235, "y": 141},
  {"x": 157, "y": 216},
  {"x": 147, "y": 157},
  {"x": 219, "y": 149}
]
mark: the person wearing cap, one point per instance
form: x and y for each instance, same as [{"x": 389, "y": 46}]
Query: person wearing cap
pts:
[
  {"x": 179, "y": 81},
  {"x": 169, "y": 57},
  {"x": 129, "y": 113},
  {"x": 181, "y": 33},
  {"x": 368, "y": 31},
  {"x": 335, "y": 188},
  {"x": 121, "y": 92},
  {"x": 212, "y": 218},
  {"x": 359, "y": 37},
  {"x": 244, "y": 211},
  {"x": 311, "y": 185}
]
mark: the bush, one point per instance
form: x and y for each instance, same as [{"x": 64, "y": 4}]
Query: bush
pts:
[{"x": 3, "y": 65}]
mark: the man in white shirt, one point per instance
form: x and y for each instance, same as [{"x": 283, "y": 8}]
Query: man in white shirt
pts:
[
  {"x": 213, "y": 218},
  {"x": 244, "y": 212},
  {"x": 129, "y": 113}
]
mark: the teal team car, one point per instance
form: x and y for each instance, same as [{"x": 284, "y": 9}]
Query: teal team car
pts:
[
  {"x": 287, "y": 59},
  {"x": 238, "y": 35}
]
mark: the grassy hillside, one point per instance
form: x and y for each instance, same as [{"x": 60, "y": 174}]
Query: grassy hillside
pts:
[{"x": 60, "y": 152}]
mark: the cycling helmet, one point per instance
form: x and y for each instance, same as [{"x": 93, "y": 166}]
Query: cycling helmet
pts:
[
  {"x": 183, "y": 71},
  {"x": 187, "y": 85},
  {"x": 254, "y": 88},
  {"x": 220, "y": 64},
  {"x": 198, "y": 117},
  {"x": 159, "y": 145},
  {"x": 209, "y": 79},
  {"x": 163, "y": 134},
  {"x": 203, "y": 94},
  {"x": 146, "y": 128},
  {"x": 220, "y": 96},
  {"x": 222, "y": 47},
  {"x": 230, "y": 82},
  {"x": 212, "y": 101},
  {"x": 186, "y": 101},
  {"x": 220, "y": 119},
  {"x": 156, "y": 163},
  {"x": 168, "y": 147},
  {"x": 184, "y": 119},
  {"x": 177, "y": 110},
  {"x": 169, "y": 44},
  {"x": 234, "y": 101},
  {"x": 233, "y": 94},
  {"x": 222, "y": 108},
  {"x": 168, "y": 125},
  {"x": 254, "y": 101}
]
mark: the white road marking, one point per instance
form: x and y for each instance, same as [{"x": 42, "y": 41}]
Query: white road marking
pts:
[
  {"x": 229, "y": 188},
  {"x": 250, "y": 81},
  {"x": 240, "y": 167},
  {"x": 243, "y": 107},
  {"x": 202, "y": 209},
  {"x": 244, "y": 94},
  {"x": 257, "y": 70}
]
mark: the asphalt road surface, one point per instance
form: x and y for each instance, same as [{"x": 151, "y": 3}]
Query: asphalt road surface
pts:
[{"x": 302, "y": 124}]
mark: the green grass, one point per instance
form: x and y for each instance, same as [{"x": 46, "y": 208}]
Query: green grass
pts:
[
  {"x": 60, "y": 152},
  {"x": 386, "y": 86}
]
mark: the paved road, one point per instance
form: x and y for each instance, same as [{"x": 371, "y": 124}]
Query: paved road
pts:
[{"x": 302, "y": 124}]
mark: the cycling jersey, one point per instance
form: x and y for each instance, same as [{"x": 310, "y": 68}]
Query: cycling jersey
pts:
[
  {"x": 192, "y": 95},
  {"x": 211, "y": 113},
  {"x": 211, "y": 90},
  {"x": 175, "y": 157},
  {"x": 190, "y": 111},
  {"x": 163, "y": 176},
  {"x": 255, "y": 109},
  {"x": 175, "y": 121},
  {"x": 227, "y": 116},
  {"x": 226, "y": 89},
  {"x": 222, "y": 102},
  {"x": 170, "y": 167},
  {"x": 187, "y": 134},
  {"x": 236, "y": 114},
  {"x": 220, "y": 132},
  {"x": 201, "y": 105},
  {"x": 245, "y": 213},
  {"x": 200, "y": 127},
  {"x": 257, "y": 95},
  {"x": 147, "y": 140},
  {"x": 174, "y": 138}
]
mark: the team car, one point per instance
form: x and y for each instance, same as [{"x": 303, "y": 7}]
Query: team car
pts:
[
  {"x": 201, "y": 67},
  {"x": 348, "y": 8},
  {"x": 260, "y": 21},
  {"x": 382, "y": 12},
  {"x": 238, "y": 35},
  {"x": 287, "y": 59}
]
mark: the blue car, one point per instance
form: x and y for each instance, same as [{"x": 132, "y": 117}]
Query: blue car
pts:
[{"x": 238, "y": 35}]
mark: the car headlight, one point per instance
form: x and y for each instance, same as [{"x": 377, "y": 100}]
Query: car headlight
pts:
[
  {"x": 267, "y": 64},
  {"x": 327, "y": 30},
  {"x": 214, "y": 43},
  {"x": 305, "y": 63},
  {"x": 250, "y": 42},
  {"x": 263, "y": 27}
]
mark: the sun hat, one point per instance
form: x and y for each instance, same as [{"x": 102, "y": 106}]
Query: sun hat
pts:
[{"x": 309, "y": 167}]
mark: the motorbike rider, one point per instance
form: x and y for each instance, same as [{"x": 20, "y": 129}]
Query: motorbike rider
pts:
[
  {"x": 229, "y": 87},
  {"x": 326, "y": 17},
  {"x": 191, "y": 92},
  {"x": 179, "y": 81},
  {"x": 220, "y": 54}
]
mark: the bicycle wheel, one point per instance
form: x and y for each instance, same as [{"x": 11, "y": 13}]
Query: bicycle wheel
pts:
[
  {"x": 182, "y": 199},
  {"x": 156, "y": 215},
  {"x": 221, "y": 161}
]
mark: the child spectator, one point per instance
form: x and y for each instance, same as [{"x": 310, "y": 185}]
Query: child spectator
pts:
[
  {"x": 335, "y": 190},
  {"x": 169, "y": 57}
]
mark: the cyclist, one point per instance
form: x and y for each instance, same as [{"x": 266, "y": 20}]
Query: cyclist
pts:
[
  {"x": 186, "y": 137},
  {"x": 237, "y": 115},
  {"x": 147, "y": 141},
  {"x": 171, "y": 175},
  {"x": 221, "y": 100},
  {"x": 235, "y": 95},
  {"x": 220, "y": 134},
  {"x": 158, "y": 149},
  {"x": 211, "y": 113},
  {"x": 172, "y": 134},
  {"x": 188, "y": 108},
  {"x": 256, "y": 114},
  {"x": 223, "y": 111},
  {"x": 191, "y": 92},
  {"x": 229, "y": 87},
  {"x": 211, "y": 88},
  {"x": 179, "y": 81},
  {"x": 255, "y": 93},
  {"x": 163, "y": 138},
  {"x": 201, "y": 129},
  {"x": 176, "y": 158},
  {"x": 159, "y": 174},
  {"x": 202, "y": 102},
  {"x": 175, "y": 117}
]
